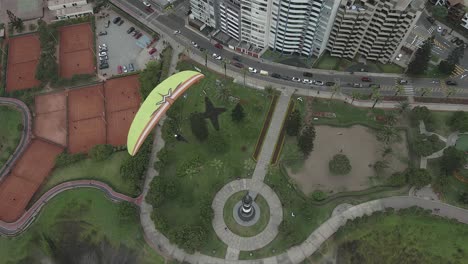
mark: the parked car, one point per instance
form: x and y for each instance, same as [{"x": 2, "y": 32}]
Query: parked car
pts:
[
  {"x": 116, "y": 20},
  {"x": 103, "y": 62},
  {"x": 124, "y": 68},
  {"x": 366, "y": 79},
  {"x": 444, "y": 32},
  {"x": 103, "y": 66},
  {"x": 374, "y": 85},
  {"x": 130, "y": 30},
  {"x": 238, "y": 64},
  {"x": 275, "y": 75},
  {"x": 264, "y": 73},
  {"x": 329, "y": 83},
  {"x": 146, "y": 4},
  {"x": 152, "y": 51},
  {"x": 285, "y": 77},
  {"x": 103, "y": 47},
  {"x": 103, "y": 58},
  {"x": 102, "y": 54},
  {"x": 218, "y": 46},
  {"x": 460, "y": 42},
  {"x": 102, "y": 33},
  {"x": 295, "y": 79},
  {"x": 253, "y": 70},
  {"x": 450, "y": 82},
  {"x": 439, "y": 29},
  {"x": 120, "y": 22},
  {"x": 403, "y": 81},
  {"x": 119, "y": 69},
  {"x": 139, "y": 35},
  {"x": 306, "y": 81},
  {"x": 307, "y": 74},
  {"x": 455, "y": 39},
  {"x": 431, "y": 20},
  {"x": 195, "y": 44},
  {"x": 216, "y": 56},
  {"x": 131, "y": 67},
  {"x": 176, "y": 32},
  {"x": 107, "y": 24},
  {"x": 134, "y": 33},
  {"x": 236, "y": 58},
  {"x": 319, "y": 83},
  {"x": 357, "y": 85}
]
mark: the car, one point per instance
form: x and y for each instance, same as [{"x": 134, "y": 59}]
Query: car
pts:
[
  {"x": 130, "y": 30},
  {"x": 138, "y": 35},
  {"x": 107, "y": 24},
  {"x": 366, "y": 79},
  {"x": 194, "y": 44},
  {"x": 146, "y": 4},
  {"x": 134, "y": 33},
  {"x": 444, "y": 32},
  {"x": 102, "y": 33},
  {"x": 119, "y": 69},
  {"x": 116, "y": 20},
  {"x": 460, "y": 42},
  {"x": 455, "y": 39},
  {"x": 275, "y": 75},
  {"x": 450, "y": 82},
  {"x": 103, "y": 66},
  {"x": 131, "y": 67},
  {"x": 238, "y": 64},
  {"x": 403, "y": 81},
  {"x": 465, "y": 45},
  {"x": 152, "y": 51},
  {"x": 236, "y": 58},
  {"x": 319, "y": 83},
  {"x": 295, "y": 79},
  {"x": 329, "y": 83},
  {"x": 357, "y": 85},
  {"x": 218, "y": 46},
  {"x": 103, "y": 62},
  {"x": 307, "y": 74},
  {"x": 124, "y": 68},
  {"x": 306, "y": 81},
  {"x": 102, "y": 47},
  {"x": 285, "y": 77},
  {"x": 431, "y": 20},
  {"x": 120, "y": 23},
  {"x": 439, "y": 29},
  {"x": 102, "y": 54},
  {"x": 176, "y": 32},
  {"x": 253, "y": 70},
  {"x": 399, "y": 57},
  {"x": 103, "y": 58}
]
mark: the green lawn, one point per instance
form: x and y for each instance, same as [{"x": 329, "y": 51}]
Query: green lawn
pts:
[
  {"x": 86, "y": 213},
  {"x": 327, "y": 62},
  {"x": 208, "y": 178},
  {"x": 462, "y": 143},
  {"x": 242, "y": 230},
  {"x": 440, "y": 126},
  {"x": 9, "y": 133},
  {"x": 389, "y": 68},
  {"x": 402, "y": 237},
  {"x": 106, "y": 171}
]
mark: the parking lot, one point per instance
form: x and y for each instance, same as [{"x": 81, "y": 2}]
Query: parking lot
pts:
[{"x": 122, "y": 48}]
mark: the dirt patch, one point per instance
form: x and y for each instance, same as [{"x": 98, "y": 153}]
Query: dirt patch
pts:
[
  {"x": 23, "y": 57},
  {"x": 76, "y": 50},
  {"x": 362, "y": 148},
  {"x": 50, "y": 103},
  {"x": 52, "y": 126}
]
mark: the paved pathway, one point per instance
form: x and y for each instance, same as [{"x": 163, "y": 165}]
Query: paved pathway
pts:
[
  {"x": 25, "y": 135},
  {"x": 247, "y": 243},
  {"x": 17, "y": 227},
  {"x": 451, "y": 140}
]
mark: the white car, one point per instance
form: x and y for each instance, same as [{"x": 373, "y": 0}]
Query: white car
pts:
[
  {"x": 195, "y": 44},
  {"x": 146, "y": 4},
  {"x": 101, "y": 58},
  {"x": 399, "y": 57},
  {"x": 102, "y": 54},
  {"x": 219, "y": 58},
  {"x": 176, "y": 32},
  {"x": 306, "y": 81},
  {"x": 253, "y": 70},
  {"x": 439, "y": 29},
  {"x": 124, "y": 68},
  {"x": 216, "y": 56},
  {"x": 295, "y": 79},
  {"x": 319, "y": 83}
]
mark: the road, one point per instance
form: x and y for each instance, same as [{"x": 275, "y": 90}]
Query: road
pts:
[
  {"x": 169, "y": 22},
  {"x": 25, "y": 135}
]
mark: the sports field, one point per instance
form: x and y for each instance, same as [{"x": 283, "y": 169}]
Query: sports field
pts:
[
  {"x": 23, "y": 57},
  {"x": 76, "y": 50}
]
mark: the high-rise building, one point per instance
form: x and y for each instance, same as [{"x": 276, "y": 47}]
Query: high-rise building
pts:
[
  {"x": 229, "y": 12},
  {"x": 204, "y": 11},
  {"x": 374, "y": 29},
  {"x": 301, "y": 26}
]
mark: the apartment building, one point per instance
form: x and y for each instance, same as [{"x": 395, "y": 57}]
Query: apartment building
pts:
[
  {"x": 255, "y": 22},
  {"x": 204, "y": 11},
  {"x": 301, "y": 26},
  {"x": 65, "y": 9},
  {"x": 374, "y": 29},
  {"x": 229, "y": 16}
]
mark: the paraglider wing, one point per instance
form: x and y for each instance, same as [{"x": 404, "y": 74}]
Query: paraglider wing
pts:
[{"x": 157, "y": 103}]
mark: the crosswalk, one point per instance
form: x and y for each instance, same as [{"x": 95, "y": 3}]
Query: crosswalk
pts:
[
  {"x": 408, "y": 90},
  {"x": 431, "y": 29},
  {"x": 459, "y": 70}
]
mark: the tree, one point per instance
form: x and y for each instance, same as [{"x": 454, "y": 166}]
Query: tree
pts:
[
  {"x": 237, "y": 113},
  {"x": 354, "y": 95},
  {"x": 390, "y": 119},
  {"x": 339, "y": 164},
  {"x": 418, "y": 177},
  {"x": 149, "y": 78},
  {"x": 335, "y": 89},
  {"x": 422, "y": 57},
  {"x": 421, "y": 113},
  {"x": 293, "y": 123},
  {"x": 380, "y": 166},
  {"x": 127, "y": 212},
  {"x": 452, "y": 160},
  {"x": 448, "y": 65},
  {"x": 15, "y": 21},
  {"x": 403, "y": 106},
  {"x": 376, "y": 97},
  {"x": 244, "y": 73},
  {"x": 198, "y": 126},
  {"x": 387, "y": 134},
  {"x": 424, "y": 146},
  {"x": 458, "y": 121},
  {"x": 318, "y": 195},
  {"x": 439, "y": 12},
  {"x": 397, "y": 179},
  {"x": 101, "y": 152},
  {"x": 463, "y": 198},
  {"x": 161, "y": 189},
  {"x": 217, "y": 144},
  {"x": 223, "y": 93},
  {"x": 399, "y": 89},
  {"x": 305, "y": 140},
  {"x": 205, "y": 53}
]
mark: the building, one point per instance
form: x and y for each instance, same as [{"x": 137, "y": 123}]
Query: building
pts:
[
  {"x": 374, "y": 29},
  {"x": 65, "y": 9},
  {"x": 255, "y": 22},
  {"x": 229, "y": 13},
  {"x": 204, "y": 11},
  {"x": 465, "y": 21},
  {"x": 301, "y": 26}
]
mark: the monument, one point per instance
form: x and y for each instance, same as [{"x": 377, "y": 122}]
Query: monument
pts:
[{"x": 246, "y": 212}]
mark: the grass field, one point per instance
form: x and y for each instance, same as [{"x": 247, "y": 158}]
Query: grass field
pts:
[
  {"x": 9, "y": 133},
  {"x": 212, "y": 169},
  {"x": 89, "y": 214},
  {"x": 402, "y": 237},
  {"x": 242, "y": 230},
  {"x": 462, "y": 143},
  {"x": 106, "y": 171}
]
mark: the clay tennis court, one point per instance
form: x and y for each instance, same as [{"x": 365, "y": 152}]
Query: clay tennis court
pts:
[
  {"x": 50, "y": 121},
  {"x": 28, "y": 174},
  {"x": 23, "y": 57},
  {"x": 118, "y": 124},
  {"x": 85, "y": 103},
  {"x": 76, "y": 50},
  {"x": 122, "y": 93},
  {"x": 84, "y": 134}
]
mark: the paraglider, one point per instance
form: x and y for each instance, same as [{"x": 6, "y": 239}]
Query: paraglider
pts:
[{"x": 157, "y": 103}]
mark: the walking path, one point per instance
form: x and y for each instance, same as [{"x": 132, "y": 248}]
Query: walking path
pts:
[
  {"x": 451, "y": 140},
  {"x": 17, "y": 227},
  {"x": 25, "y": 135}
]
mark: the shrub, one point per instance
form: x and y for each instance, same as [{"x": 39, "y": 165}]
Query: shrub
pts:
[
  {"x": 65, "y": 159},
  {"x": 162, "y": 188},
  {"x": 101, "y": 152},
  {"x": 198, "y": 126},
  {"x": 237, "y": 113},
  {"x": 217, "y": 143},
  {"x": 32, "y": 27},
  {"x": 293, "y": 123},
  {"x": 318, "y": 195},
  {"x": 397, "y": 179},
  {"x": 339, "y": 164},
  {"x": 127, "y": 212},
  {"x": 305, "y": 141}
]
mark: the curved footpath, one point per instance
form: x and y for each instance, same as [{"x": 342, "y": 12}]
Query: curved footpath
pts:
[
  {"x": 20, "y": 225},
  {"x": 25, "y": 136}
]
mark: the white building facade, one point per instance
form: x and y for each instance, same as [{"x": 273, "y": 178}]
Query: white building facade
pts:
[
  {"x": 465, "y": 21},
  {"x": 204, "y": 11},
  {"x": 255, "y": 22},
  {"x": 66, "y": 9}
]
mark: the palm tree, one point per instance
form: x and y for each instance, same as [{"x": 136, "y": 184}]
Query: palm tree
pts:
[
  {"x": 225, "y": 62},
  {"x": 450, "y": 91},
  {"x": 403, "y": 106},
  {"x": 335, "y": 89},
  {"x": 398, "y": 89},
  {"x": 354, "y": 95},
  {"x": 376, "y": 97},
  {"x": 387, "y": 134},
  {"x": 374, "y": 90},
  {"x": 244, "y": 72},
  {"x": 205, "y": 52},
  {"x": 391, "y": 119},
  {"x": 425, "y": 91},
  {"x": 223, "y": 93}
]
